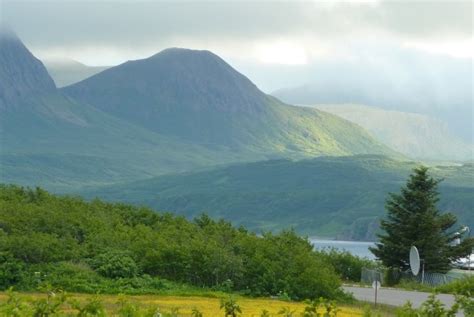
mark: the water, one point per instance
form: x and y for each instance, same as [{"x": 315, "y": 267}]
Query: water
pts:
[{"x": 354, "y": 247}]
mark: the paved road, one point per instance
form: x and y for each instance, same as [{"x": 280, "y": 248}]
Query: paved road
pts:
[{"x": 396, "y": 297}]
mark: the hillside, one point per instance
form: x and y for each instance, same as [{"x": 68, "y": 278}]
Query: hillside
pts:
[
  {"x": 196, "y": 96},
  {"x": 21, "y": 74},
  {"x": 176, "y": 111},
  {"x": 328, "y": 196},
  {"x": 66, "y": 71},
  {"x": 51, "y": 140},
  {"x": 414, "y": 135}
]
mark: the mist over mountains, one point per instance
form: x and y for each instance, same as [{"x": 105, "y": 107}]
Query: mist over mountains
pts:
[
  {"x": 403, "y": 80},
  {"x": 415, "y": 135}
]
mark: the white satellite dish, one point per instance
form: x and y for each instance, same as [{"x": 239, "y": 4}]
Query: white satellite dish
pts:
[{"x": 414, "y": 260}]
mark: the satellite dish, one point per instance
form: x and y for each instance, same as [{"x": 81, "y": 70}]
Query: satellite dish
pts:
[{"x": 414, "y": 260}]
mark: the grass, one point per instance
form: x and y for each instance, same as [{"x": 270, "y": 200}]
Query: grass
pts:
[{"x": 207, "y": 305}]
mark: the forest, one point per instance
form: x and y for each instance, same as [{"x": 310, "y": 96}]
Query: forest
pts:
[{"x": 78, "y": 246}]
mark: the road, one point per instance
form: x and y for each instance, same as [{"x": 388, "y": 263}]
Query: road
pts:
[{"x": 396, "y": 297}]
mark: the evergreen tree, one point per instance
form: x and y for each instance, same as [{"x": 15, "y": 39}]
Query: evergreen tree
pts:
[{"x": 413, "y": 219}]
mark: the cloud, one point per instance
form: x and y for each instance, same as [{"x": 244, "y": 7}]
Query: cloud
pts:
[
  {"x": 121, "y": 30},
  {"x": 396, "y": 53}
]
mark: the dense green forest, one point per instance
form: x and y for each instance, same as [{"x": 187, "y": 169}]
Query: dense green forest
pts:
[
  {"x": 68, "y": 243},
  {"x": 329, "y": 196}
]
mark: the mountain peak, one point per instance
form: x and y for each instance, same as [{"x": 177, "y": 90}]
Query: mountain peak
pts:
[
  {"x": 183, "y": 51},
  {"x": 21, "y": 74},
  {"x": 177, "y": 80}
]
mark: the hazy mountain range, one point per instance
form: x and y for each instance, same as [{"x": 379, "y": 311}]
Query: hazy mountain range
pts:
[
  {"x": 189, "y": 113},
  {"x": 177, "y": 110},
  {"x": 399, "y": 79},
  {"x": 415, "y": 135}
]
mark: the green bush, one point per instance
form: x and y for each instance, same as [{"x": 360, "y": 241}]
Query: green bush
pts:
[
  {"x": 95, "y": 246},
  {"x": 347, "y": 266},
  {"x": 464, "y": 286},
  {"x": 11, "y": 270},
  {"x": 115, "y": 264}
]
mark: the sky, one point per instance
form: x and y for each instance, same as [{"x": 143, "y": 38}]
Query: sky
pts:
[
  {"x": 277, "y": 44},
  {"x": 265, "y": 32}
]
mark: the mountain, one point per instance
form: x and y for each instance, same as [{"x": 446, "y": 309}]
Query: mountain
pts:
[
  {"x": 400, "y": 79},
  {"x": 178, "y": 110},
  {"x": 327, "y": 196},
  {"x": 197, "y": 97},
  {"x": 67, "y": 71},
  {"x": 21, "y": 74},
  {"x": 414, "y": 135},
  {"x": 49, "y": 139}
]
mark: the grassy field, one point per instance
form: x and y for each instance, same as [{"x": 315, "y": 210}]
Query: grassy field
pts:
[{"x": 185, "y": 304}]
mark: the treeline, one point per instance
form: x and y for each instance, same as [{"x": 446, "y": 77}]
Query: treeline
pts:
[{"x": 95, "y": 246}]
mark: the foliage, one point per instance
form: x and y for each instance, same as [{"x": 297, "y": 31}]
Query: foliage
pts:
[
  {"x": 115, "y": 264},
  {"x": 347, "y": 266},
  {"x": 265, "y": 313},
  {"x": 286, "y": 312},
  {"x": 413, "y": 219},
  {"x": 160, "y": 306},
  {"x": 433, "y": 307},
  {"x": 93, "y": 307},
  {"x": 315, "y": 307},
  {"x": 230, "y": 307},
  {"x": 11, "y": 270},
  {"x": 196, "y": 313},
  {"x": 50, "y": 305},
  {"x": 115, "y": 248},
  {"x": 14, "y": 306},
  {"x": 466, "y": 303},
  {"x": 325, "y": 196},
  {"x": 463, "y": 286}
]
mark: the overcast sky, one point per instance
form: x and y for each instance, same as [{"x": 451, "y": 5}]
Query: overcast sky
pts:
[
  {"x": 418, "y": 54},
  {"x": 293, "y": 33}
]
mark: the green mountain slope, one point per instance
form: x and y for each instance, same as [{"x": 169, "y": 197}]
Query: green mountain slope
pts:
[
  {"x": 197, "y": 97},
  {"x": 415, "y": 135},
  {"x": 49, "y": 139},
  {"x": 326, "y": 196},
  {"x": 52, "y": 141},
  {"x": 176, "y": 111}
]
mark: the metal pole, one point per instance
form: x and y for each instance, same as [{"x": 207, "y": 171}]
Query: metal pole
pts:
[
  {"x": 376, "y": 286},
  {"x": 423, "y": 271}
]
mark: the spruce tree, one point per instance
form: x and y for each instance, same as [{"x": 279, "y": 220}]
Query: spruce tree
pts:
[{"x": 413, "y": 219}]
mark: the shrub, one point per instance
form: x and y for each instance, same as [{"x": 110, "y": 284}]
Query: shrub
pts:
[
  {"x": 15, "y": 306},
  {"x": 196, "y": 313},
  {"x": 347, "y": 266},
  {"x": 464, "y": 286},
  {"x": 93, "y": 307},
  {"x": 230, "y": 307},
  {"x": 115, "y": 264},
  {"x": 49, "y": 306},
  {"x": 11, "y": 270}
]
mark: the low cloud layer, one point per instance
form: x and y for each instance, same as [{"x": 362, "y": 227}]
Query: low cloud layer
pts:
[
  {"x": 120, "y": 30},
  {"x": 418, "y": 53}
]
